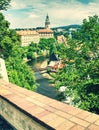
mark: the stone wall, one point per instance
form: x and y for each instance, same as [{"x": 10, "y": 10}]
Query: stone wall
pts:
[
  {"x": 27, "y": 110},
  {"x": 17, "y": 118}
]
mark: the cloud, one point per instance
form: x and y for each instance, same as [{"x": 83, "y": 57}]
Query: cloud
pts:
[
  {"x": 33, "y": 16},
  {"x": 72, "y": 12},
  {"x": 17, "y": 5},
  {"x": 32, "y": 13}
]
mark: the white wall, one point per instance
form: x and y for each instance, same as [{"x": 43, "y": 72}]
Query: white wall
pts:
[{"x": 3, "y": 71}]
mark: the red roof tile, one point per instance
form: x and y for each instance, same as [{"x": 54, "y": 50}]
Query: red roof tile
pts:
[
  {"x": 45, "y": 31},
  {"x": 27, "y": 32}
]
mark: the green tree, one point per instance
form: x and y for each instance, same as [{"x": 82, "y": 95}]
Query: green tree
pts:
[
  {"x": 4, "y": 4},
  {"x": 20, "y": 74},
  {"x": 33, "y": 50},
  {"x": 8, "y": 37},
  {"x": 10, "y": 49},
  {"x": 44, "y": 44},
  {"x": 80, "y": 76}
]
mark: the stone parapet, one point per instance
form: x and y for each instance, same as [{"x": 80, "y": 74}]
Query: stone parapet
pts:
[{"x": 27, "y": 110}]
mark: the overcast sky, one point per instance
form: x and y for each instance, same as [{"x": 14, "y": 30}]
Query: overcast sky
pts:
[{"x": 32, "y": 13}]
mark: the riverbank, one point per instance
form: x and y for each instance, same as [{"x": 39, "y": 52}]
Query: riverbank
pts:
[
  {"x": 43, "y": 78},
  {"x": 44, "y": 86}
]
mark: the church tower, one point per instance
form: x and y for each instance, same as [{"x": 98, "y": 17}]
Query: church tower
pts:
[{"x": 47, "y": 22}]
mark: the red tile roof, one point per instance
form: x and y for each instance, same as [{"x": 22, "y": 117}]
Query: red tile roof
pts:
[
  {"x": 45, "y": 31},
  {"x": 27, "y": 32}
]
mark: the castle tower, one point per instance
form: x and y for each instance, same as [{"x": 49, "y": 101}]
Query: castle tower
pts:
[{"x": 47, "y": 22}]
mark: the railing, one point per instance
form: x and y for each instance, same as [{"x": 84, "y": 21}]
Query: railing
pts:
[{"x": 27, "y": 110}]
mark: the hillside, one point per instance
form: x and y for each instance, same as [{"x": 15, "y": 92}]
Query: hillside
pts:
[{"x": 74, "y": 26}]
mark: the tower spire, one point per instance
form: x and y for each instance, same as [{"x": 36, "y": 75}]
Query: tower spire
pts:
[{"x": 47, "y": 22}]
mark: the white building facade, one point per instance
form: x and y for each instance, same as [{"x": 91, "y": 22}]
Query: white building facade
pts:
[
  {"x": 28, "y": 36},
  {"x": 3, "y": 71}
]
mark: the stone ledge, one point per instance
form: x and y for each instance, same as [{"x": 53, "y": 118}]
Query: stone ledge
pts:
[{"x": 45, "y": 112}]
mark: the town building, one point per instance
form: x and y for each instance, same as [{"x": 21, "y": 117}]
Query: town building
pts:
[
  {"x": 47, "y": 22},
  {"x": 27, "y": 36},
  {"x": 61, "y": 39},
  {"x": 45, "y": 33}
]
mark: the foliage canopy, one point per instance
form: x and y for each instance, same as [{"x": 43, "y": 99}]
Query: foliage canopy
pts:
[
  {"x": 81, "y": 74},
  {"x": 4, "y": 4},
  {"x": 10, "y": 49}
]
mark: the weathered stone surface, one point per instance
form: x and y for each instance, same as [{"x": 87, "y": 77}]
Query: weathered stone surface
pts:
[
  {"x": 17, "y": 118},
  {"x": 27, "y": 110}
]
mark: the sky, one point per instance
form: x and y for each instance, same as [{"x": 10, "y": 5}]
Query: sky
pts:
[{"x": 32, "y": 13}]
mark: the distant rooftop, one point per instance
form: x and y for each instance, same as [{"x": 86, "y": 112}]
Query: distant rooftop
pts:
[
  {"x": 45, "y": 31},
  {"x": 26, "y": 32}
]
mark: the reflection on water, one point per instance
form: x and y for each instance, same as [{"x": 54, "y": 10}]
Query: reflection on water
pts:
[
  {"x": 42, "y": 78},
  {"x": 40, "y": 62}
]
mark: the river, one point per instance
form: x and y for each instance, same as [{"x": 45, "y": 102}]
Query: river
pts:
[{"x": 43, "y": 78}]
